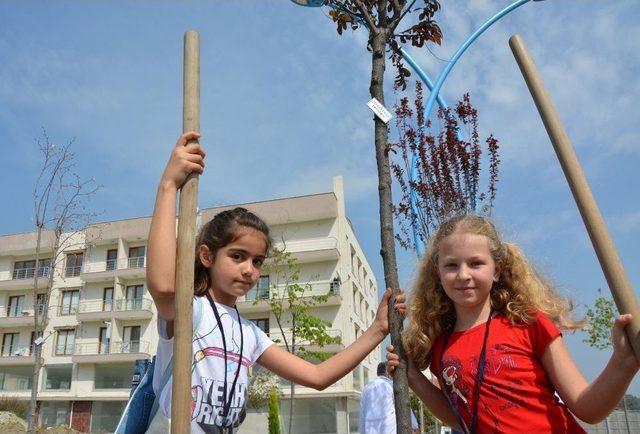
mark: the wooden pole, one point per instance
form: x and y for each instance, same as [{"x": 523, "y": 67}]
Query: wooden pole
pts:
[
  {"x": 185, "y": 256},
  {"x": 609, "y": 261}
]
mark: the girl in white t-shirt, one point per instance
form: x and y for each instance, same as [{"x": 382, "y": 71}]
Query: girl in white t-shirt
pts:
[{"x": 230, "y": 251}]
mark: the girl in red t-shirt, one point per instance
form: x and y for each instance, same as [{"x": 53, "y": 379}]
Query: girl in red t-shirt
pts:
[{"x": 487, "y": 325}]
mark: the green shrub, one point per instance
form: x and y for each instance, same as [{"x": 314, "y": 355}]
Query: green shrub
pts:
[
  {"x": 274, "y": 413},
  {"x": 19, "y": 407}
]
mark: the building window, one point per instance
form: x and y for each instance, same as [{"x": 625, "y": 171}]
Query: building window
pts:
[
  {"x": 16, "y": 303},
  {"x": 260, "y": 291},
  {"x": 105, "y": 415},
  {"x": 15, "y": 378},
  {"x": 57, "y": 377},
  {"x": 113, "y": 375},
  {"x": 10, "y": 343},
  {"x": 112, "y": 259},
  {"x": 357, "y": 378},
  {"x": 104, "y": 341},
  {"x": 32, "y": 345},
  {"x": 353, "y": 408},
  {"x": 70, "y": 300},
  {"x": 334, "y": 286},
  {"x": 134, "y": 297},
  {"x": 24, "y": 269},
  {"x": 65, "y": 342},
  {"x": 54, "y": 413},
  {"x": 107, "y": 300},
  {"x": 74, "y": 264},
  {"x": 131, "y": 339},
  {"x": 41, "y": 303},
  {"x": 27, "y": 269},
  {"x": 136, "y": 257},
  {"x": 317, "y": 415},
  {"x": 262, "y": 323}
]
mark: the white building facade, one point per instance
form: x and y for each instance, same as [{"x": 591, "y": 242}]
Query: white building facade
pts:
[{"x": 101, "y": 318}]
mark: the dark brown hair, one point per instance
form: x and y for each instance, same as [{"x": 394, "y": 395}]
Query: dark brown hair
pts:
[{"x": 224, "y": 228}]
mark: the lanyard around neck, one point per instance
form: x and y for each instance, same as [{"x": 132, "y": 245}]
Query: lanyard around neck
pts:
[
  {"x": 479, "y": 379},
  {"x": 226, "y": 404}
]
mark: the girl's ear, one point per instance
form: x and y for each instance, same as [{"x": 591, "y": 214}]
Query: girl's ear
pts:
[
  {"x": 498, "y": 270},
  {"x": 205, "y": 255}
]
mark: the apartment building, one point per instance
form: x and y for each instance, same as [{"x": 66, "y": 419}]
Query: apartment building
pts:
[{"x": 100, "y": 317}]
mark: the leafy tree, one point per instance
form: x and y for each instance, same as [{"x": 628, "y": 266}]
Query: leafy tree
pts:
[
  {"x": 382, "y": 20},
  {"x": 448, "y": 167},
  {"x": 600, "y": 319},
  {"x": 60, "y": 199},
  {"x": 290, "y": 302},
  {"x": 428, "y": 419}
]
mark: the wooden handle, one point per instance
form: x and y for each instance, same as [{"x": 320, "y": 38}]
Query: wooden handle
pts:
[
  {"x": 185, "y": 255},
  {"x": 609, "y": 261}
]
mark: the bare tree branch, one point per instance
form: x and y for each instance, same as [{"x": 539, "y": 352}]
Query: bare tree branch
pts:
[{"x": 59, "y": 204}]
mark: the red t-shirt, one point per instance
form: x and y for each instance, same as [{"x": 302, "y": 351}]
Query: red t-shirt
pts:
[{"x": 516, "y": 396}]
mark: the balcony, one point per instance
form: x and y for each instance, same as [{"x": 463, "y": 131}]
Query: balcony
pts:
[
  {"x": 98, "y": 352},
  {"x": 22, "y": 278},
  {"x": 126, "y": 268},
  {"x": 94, "y": 310},
  {"x": 257, "y": 299},
  {"x": 12, "y": 318},
  {"x": 312, "y": 249},
  {"x": 330, "y": 347},
  {"x": 99, "y": 310},
  {"x": 137, "y": 308},
  {"x": 17, "y": 356}
]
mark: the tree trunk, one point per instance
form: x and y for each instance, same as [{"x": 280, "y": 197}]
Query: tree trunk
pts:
[
  {"x": 291, "y": 383},
  {"x": 400, "y": 386},
  {"x": 31, "y": 419}
]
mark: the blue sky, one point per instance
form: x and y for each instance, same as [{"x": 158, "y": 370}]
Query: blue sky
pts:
[{"x": 284, "y": 109}]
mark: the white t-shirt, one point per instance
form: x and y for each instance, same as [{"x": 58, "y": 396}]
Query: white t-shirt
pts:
[
  {"x": 377, "y": 409},
  {"x": 207, "y": 376}
]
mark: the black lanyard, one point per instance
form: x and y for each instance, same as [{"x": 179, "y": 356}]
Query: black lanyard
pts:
[
  {"x": 226, "y": 404},
  {"x": 479, "y": 380}
]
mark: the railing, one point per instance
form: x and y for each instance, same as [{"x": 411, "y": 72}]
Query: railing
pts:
[
  {"x": 124, "y": 347},
  {"x": 29, "y": 273},
  {"x": 315, "y": 288},
  {"x": 308, "y": 244},
  {"x": 64, "y": 350},
  {"x": 72, "y": 271},
  {"x": 333, "y": 333},
  {"x": 133, "y": 304},
  {"x": 122, "y": 304},
  {"x": 136, "y": 262},
  {"x": 95, "y": 306},
  {"x": 257, "y": 293},
  {"x": 15, "y": 350},
  {"x": 12, "y": 312},
  {"x": 115, "y": 264}
]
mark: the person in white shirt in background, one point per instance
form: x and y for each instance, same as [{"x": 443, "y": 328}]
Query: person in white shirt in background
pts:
[{"x": 377, "y": 409}]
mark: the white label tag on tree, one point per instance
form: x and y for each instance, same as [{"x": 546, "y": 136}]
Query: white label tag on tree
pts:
[{"x": 380, "y": 110}]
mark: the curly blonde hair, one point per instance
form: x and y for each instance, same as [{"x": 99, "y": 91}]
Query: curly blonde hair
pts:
[{"x": 517, "y": 294}]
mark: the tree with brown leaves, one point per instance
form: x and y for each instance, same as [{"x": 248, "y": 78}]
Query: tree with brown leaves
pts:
[
  {"x": 382, "y": 20},
  {"x": 448, "y": 167}
]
